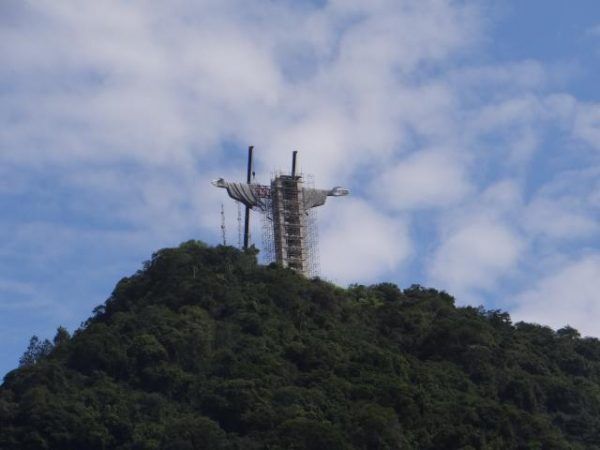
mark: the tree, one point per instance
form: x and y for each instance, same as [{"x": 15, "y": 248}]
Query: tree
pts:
[
  {"x": 36, "y": 350},
  {"x": 248, "y": 356},
  {"x": 61, "y": 336}
]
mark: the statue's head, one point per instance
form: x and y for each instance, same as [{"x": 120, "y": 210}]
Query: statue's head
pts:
[
  {"x": 220, "y": 182},
  {"x": 339, "y": 191}
]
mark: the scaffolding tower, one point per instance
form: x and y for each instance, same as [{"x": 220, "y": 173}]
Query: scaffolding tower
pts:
[{"x": 289, "y": 224}]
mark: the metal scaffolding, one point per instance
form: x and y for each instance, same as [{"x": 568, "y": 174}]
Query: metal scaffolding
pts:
[
  {"x": 288, "y": 222},
  {"x": 290, "y": 236},
  {"x": 311, "y": 236}
]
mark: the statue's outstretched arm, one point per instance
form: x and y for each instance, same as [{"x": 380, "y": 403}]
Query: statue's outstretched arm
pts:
[
  {"x": 242, "y": 192},
  {"x": 317, "y": 197}
]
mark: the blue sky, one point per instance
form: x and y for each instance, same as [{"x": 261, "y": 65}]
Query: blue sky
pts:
[{"x": 467, "y": 131}]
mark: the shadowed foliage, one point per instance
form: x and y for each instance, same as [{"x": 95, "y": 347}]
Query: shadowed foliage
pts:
[{"x": 205, "y": 349}]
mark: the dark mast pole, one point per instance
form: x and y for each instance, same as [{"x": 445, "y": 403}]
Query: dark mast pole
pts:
[
  {"x": 294, "y": 153},
  {"x": 247, "y": 218}
]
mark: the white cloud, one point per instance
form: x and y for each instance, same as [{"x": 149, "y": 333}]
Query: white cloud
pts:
[
  {"x": 475, "y": 256},
  {"x": 566, "y": 207},
  {"x": 567, "y": 297},
  {"x": 161, "y": 85},
  {"x": 587, "y": 124},
  {"x": 512, "y": 76},
  {"x": 498, "y": 200},
  {"x": 558, "y": 219},
  {"x": 425, "y": 179},
  {"x": 358, "y": 243}
]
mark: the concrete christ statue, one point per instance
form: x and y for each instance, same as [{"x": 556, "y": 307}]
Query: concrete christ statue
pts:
[
  {"x": 287, "y": 211},
  {"x": 255, "y": 195}
]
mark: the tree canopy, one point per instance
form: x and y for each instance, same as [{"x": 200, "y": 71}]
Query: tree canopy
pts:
[{"x": 206, "y": 349}]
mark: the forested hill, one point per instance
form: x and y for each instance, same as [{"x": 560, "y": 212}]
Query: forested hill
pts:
[{"x": 206, "y": 349}]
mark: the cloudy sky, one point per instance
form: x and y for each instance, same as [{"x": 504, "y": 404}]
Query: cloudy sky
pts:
[{"x": 467, "y": 131}]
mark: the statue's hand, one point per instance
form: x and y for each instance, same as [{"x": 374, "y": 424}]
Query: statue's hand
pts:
[
  {"x": 220, "y": 182},
  {"x": 338, "y": 191}
]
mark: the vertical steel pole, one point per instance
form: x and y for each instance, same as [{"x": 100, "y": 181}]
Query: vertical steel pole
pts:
[
  {"x": 247, "y": 218},
  {"x": 294, "y": 153}
]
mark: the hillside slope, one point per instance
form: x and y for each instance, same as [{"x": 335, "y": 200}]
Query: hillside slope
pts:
[{"x": 206, "y": 349}]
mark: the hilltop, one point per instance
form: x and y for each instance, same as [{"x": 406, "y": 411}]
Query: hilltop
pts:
[{"x": 203, "y": 348}]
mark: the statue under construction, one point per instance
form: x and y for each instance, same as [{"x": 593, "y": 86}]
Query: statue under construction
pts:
[{"x": 287, "y": 208}]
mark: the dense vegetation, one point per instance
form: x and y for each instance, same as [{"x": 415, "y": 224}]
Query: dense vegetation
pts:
[{"x": 206, "y": 349}]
